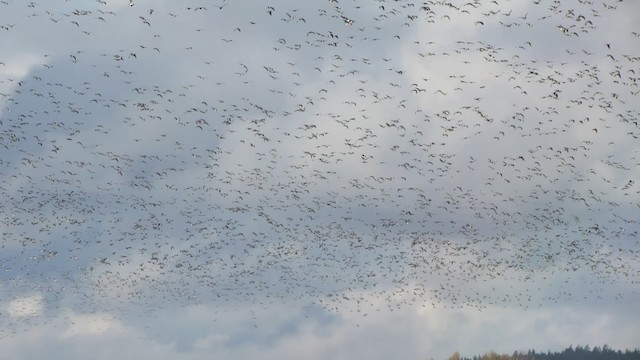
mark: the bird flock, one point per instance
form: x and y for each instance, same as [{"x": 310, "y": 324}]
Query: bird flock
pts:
[{"x": 433, "y": 153}]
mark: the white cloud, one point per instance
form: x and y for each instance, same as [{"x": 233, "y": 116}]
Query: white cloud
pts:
[
  {"x": 373, "y": 329},
  {"x": 13, "y": 69},
  {"x": 29, "y": 306},
  {"x": 79, "y": 325}
]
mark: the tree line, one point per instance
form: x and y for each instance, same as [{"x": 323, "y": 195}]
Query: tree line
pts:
[{"x": 570, "y": 353}]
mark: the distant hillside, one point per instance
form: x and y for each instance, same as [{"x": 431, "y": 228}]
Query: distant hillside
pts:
[{"x": 570, "y": 353}]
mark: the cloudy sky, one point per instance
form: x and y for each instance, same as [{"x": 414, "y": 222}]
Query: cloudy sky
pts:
[{"x": 337, "y": 179}]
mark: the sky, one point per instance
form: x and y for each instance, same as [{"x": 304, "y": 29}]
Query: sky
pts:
[{"x": 337, "y": 179}]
